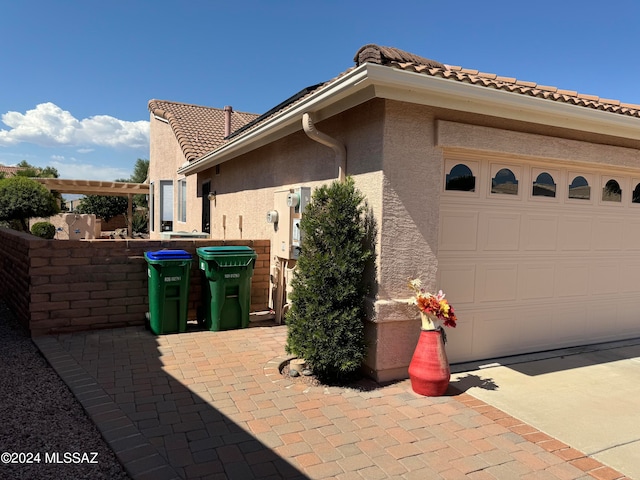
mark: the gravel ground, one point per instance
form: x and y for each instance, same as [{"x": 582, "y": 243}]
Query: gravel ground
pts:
[{"x": 41, "y": 420}]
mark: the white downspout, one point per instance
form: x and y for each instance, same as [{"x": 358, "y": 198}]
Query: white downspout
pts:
[{"x": 339, "y": 149}]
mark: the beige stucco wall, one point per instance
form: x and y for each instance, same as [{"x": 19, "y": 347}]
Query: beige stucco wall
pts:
[
  {"x": 408, "y": 244},
  {"x": 72, "y": 226},
  {"x": 165, "y": 158},
  {"x": 245, "y": 186},
  {"x": 477, "y": 139}
]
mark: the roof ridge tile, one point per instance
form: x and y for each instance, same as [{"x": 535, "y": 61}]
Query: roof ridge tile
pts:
[
  {"x": 523, "y": 87},
  {"x": 525, "y": 83}
]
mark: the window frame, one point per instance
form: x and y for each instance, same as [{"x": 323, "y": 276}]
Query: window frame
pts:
[
  {"x": 182, "y": 200},
  {"x": 152, "y": 207},
  {"x": 166, "y": 205}
]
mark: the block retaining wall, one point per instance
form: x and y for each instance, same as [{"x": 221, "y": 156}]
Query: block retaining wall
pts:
[{"x": 57, "y": 286}]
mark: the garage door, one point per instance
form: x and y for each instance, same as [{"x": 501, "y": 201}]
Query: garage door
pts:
[{"x": 536, "y": 256}]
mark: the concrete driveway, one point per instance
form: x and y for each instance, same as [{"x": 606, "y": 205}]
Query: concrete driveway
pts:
[{"x": 587, "y": 397}]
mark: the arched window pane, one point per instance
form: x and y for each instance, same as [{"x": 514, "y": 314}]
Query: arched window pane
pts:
[
  {"x": 544, "y": 186},
  {"x": 580, "y": 189},
  {"x": 636, "y": 194},
  {"x": 612, "y": 192},
  {"x": 504, "y": 182},
  {"x": 461, "y": 178}
]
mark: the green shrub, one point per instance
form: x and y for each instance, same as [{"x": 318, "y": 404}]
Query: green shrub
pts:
[
  {"x": 140, "y": 222},
  {"x": 43, "y": 230},
  {"x": 326, "y": 318}
]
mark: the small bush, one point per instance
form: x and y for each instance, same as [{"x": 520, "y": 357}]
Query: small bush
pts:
[
  {"x": 326, "y": 318},
  {"x": 140, "y": 222},
  {"x": 43, "y": 230}
]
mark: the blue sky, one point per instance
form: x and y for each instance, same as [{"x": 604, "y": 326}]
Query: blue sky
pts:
[{"x": 76, "y": 76}]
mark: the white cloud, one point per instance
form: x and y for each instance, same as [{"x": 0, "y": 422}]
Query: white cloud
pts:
[
  {"x": 73, "y": 169},
  {"x": 48, "y": 125}
]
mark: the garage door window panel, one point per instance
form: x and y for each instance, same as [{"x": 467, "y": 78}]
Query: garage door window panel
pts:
[
  {"x": 544, "y": 186},
  {"x": 612, "y": 192},
  {"x": 579, "y": 188},
  {"x": 635, "y": 198},
  {"x": 460, "y": 178},
  {"x": 504, "y": 182}
]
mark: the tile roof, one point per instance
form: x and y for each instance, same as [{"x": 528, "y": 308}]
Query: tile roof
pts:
[
  {"x": 199, "y": 129},
  {"x": 399, "y": 59},
  {"x": 386, "y": 55},
  {"x": 402, "y": 60},
  {"x": 9, "y": 171}
]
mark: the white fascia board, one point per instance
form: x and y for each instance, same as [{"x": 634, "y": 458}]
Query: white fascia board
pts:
[
  {"x": 415, "y": 87},
  {"x": 343, "y": 92}
]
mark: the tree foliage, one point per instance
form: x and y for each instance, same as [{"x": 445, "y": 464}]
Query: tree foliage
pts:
[
  {"x": 28, "y": 170},
  {"x": 140, "y": 171},
  {"x": 326, "y": 318},
  {"x": 107, "y": 207},
  {"x": 139, "y": 175},
  {"x": 22, "y": 198},
  {"x": 103, "y": 206}
]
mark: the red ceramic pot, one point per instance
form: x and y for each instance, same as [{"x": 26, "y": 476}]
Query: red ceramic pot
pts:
[{"x": 429, "y": 368}]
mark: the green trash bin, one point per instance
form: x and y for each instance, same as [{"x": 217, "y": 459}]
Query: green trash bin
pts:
[
  {"x": 169, "y": 272},
  {"x": 226, "y": 288}
]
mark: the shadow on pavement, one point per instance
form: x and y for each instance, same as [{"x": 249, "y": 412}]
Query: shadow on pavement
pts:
[
  {"x": 541, "y": 363},
  {"x": 469, "y": 381},
  {"x": 179, "y": 405}
]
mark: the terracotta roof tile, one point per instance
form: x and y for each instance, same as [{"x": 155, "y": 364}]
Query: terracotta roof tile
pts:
[
  {"x": 489, "y": 76},
  {"x": 9, "y": 171},
  {"x": 382, "y": 55},
  {"x": 525, "y": 84},
  {"x": 198, "y": 129},
  {"x": 401, "y": 60}
]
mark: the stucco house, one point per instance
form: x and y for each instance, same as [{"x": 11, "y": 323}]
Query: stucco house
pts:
[
  {"x": 520, "y": 201},
  {"x": 181, "y": 133}
]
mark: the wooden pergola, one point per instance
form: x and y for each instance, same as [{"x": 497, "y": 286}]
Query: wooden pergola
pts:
[{"x": 99, "y": 187}]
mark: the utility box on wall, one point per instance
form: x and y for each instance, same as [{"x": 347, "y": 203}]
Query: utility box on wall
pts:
[{"x": 289, "y": 206}]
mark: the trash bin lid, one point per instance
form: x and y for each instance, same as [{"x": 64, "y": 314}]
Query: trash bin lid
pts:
[
  {"x": 212, "y": 252},
  {"x": 168, "y": 255}
]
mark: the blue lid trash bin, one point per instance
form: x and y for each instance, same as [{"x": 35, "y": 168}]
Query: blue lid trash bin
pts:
[
  {"x": 169, "y": 273},
  {"x": 226, "y": 285}
]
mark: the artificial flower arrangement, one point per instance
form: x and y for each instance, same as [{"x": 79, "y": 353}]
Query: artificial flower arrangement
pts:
[{"x": 433, "y": 308}]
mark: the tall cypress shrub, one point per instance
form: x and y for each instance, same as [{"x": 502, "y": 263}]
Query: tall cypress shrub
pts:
[{"x": 326, "y": 318}]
